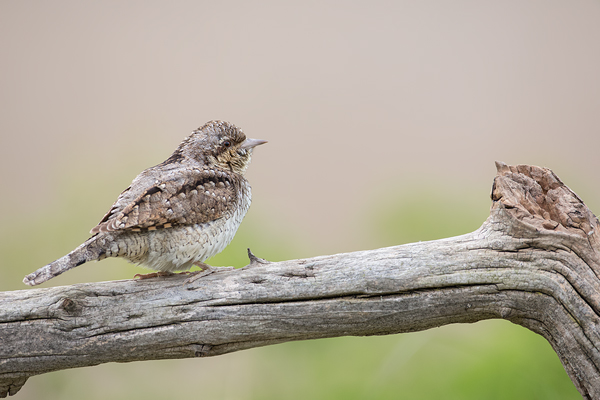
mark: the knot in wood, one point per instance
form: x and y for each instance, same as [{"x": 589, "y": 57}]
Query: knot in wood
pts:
[{"x": 68, "y": 305}]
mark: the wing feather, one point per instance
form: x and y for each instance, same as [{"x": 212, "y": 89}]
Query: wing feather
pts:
[{"x": 185, "y": 197}]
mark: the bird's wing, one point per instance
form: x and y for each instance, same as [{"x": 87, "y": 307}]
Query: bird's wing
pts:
[{"x": 181, "y": 197}]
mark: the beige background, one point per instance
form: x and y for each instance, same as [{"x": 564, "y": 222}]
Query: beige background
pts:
[
  {"x": 355, "y": 98},
  {"x": 366, "y": 105}
]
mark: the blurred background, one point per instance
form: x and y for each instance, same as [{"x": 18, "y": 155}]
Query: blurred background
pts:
[{"x": 384, "y": 119}]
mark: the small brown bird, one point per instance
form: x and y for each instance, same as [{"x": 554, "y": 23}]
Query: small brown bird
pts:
[{"x": 177, "y": 213}]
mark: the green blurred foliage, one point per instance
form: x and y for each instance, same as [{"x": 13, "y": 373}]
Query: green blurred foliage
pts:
[
  {"x": 419, "y": 213},
  {"x": 486, "y": 360}
]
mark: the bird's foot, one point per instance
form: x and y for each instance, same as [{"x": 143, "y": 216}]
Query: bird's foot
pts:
[
  {"x": 154, "y": 275},
  {"x": 205, "y": 270},
  {"x": 255, "y": 261}
]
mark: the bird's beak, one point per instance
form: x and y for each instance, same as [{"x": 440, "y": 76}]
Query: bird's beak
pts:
[{"x": 251, "y": 143}]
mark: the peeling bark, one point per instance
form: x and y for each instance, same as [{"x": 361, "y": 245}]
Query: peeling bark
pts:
[{"x": 534, "y": 262}]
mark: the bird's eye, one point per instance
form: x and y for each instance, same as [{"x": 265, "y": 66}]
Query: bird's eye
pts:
[{"x": 227, "y": 143}]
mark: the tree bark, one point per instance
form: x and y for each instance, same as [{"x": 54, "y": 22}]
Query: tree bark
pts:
[{"x": 535, "y": 262}]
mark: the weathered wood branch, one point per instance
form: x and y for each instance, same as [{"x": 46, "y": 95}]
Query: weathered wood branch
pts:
[{"x": 535, "y": 261}]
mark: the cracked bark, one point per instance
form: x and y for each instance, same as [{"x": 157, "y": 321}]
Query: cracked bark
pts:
[{"x": 534, "y": 262}]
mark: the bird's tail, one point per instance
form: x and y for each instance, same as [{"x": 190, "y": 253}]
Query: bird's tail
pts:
[{"x": 88, "y": 251}]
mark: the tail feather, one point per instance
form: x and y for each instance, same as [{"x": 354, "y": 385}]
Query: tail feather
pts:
[{"x": 88, "y": 251}]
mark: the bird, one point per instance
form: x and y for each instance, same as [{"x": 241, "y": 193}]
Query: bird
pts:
[{"x": 176, "y": 214}]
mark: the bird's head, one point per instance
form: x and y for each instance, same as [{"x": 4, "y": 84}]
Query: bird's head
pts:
[{"x": 221, "y": 144}]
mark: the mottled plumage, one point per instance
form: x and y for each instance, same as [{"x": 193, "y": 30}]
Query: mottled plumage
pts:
[{"x": 177, "y": 213}]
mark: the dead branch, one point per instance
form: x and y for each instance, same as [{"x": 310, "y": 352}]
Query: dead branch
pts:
[{"x": 534, "y": 261}]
